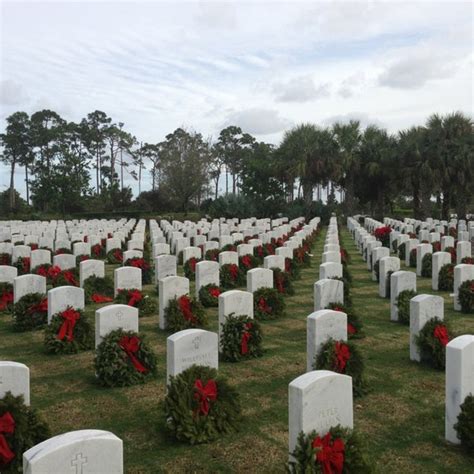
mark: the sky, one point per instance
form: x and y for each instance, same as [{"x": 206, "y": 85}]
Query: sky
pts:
[{"x": 265, "y": 66}]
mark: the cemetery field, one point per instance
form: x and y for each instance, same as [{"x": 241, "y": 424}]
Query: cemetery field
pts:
[{"x": 401, "y": 419}]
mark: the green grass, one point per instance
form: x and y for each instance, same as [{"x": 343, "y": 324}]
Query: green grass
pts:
[{"x": 401, "y": 419}]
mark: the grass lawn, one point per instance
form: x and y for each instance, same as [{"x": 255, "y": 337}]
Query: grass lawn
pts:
[{"x": 401, "y": 418}]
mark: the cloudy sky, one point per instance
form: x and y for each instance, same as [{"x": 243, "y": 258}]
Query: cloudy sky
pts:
[{"x": 264, "y": 66}]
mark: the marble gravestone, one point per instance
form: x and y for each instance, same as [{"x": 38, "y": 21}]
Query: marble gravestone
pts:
[
  {"x": 112, "y": 317},
  {"x": 235, "y": 303},
  {"x": 169, "y": 288},
  {"x": 328, "y": 291},
  {"x": 15, "y": 378},
  {"x": 400, "y": 281},
  {"x": 207, "y": 273},
  {"x": 165, "y": 266},
  {"x": 26, "y": 284},
  {"x": 89, "y": 268},
  {"x": 60, "y": 298},
  {"x": 259, "y": 278},
  {"x": 127, "y": 278}
]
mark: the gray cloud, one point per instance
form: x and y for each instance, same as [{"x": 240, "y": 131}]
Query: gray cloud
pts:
[
  {"x": 258, "y": 121},
  {"x": 364, "y": 119},
  {"x": 300, "y": 89},
  {"x": 11, "y": 93}
]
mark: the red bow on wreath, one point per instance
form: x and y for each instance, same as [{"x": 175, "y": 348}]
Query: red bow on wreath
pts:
[
  {"x": 215, "y": 292},
  {"x": 96, "y": 298},
  {"x": 118, "y": 255},
  {"x": 204, "y": 395},
  {"x": 343, "y": 354},
  {"x": 135, "y": 297},
  {"x": 53, "y": 272},
  {"x": 279, "y": 284},
  {"x": 96, "y": 249},
  {"x": 234, "y": 271},
  {"x": 69, "y": 277},
  {"x": 330, "y": 454},
  {"x": 263, "y": 306},
  {"x": 351, "y": 329},
  {"x": 42, "y": 271},
  {"x": 192, "y": 264},
  {"x": 41, "y": 307},
  {"x": 7, "y": 426},
  {"x": 5, "y": 300},
  {"x": 25, "y": 263},
  {"x": 287, "y": 265},
  {"x": 185, "y": 307},
  {"x": 244, "y": 348},
  {"x": 441, "y": 333},
  {"x": 246, "y": 261},
  {"x": 71, "y": 317},
  {"x": 131, "y": 345}
]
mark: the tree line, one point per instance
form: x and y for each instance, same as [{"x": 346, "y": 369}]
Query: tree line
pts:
[{"x": 71, "y": 167}]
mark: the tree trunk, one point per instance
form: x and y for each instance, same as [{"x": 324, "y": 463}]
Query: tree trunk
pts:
[
  {"x": 217, "y": 186},
  {"x": 349, "y": 196},
  {"x": 27, "y": 186},
  {"x": 226, "y": 180},
  {"x": 446, "y": 204},
  {"x": 97, "y": 173},
  {"x": 307, "y": 193},
  {"x": 139, "y": 179},
  {"x": 234, "y": 181},
  {"x": 12, "y": 186}
]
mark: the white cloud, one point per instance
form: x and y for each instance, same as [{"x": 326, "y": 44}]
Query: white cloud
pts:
[
  {"x": 258, "y": 121},
  {"x": 300, "y": 89},
  {"x": 11, "y": 93}
]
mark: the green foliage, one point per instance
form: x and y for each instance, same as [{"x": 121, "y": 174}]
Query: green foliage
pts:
[
  {"x": 465, "y": 424},
  {"x": 304, "y": 455},
  {"x": 183, "y": 417},
  {"x": 247, "y": 262},
  {"x": 114, "y": 367},
  {"x": 388, "y": 286},
  {"x": 30, "y": 429},
  {"x": 83, "y": 336},
  {"x": 402, "y": 251},
  {"x": 347, "y": 290},
  {"x": 413, "y": 258},
  {"x": 268, "y": 304},
  {"x": 184, "y": 313},
  {"x": 98, "y": 285},
  {"x": 27, "y": 314},
  {"x": 327, "y": 359},
  {"x": 282, "y": 282},
  {"x": 206, "y": 298},
  {"x": 403, "y": 304},
  {"x": 466, "y": 296},
  {"x": 190, "y": 268},
  {"x": 6, "y": 297},
  {"x": 213, "y": 255},
  {"x": 231, "y": 276},
  {"x": 432, "y": 351},
  {"x": 354, "y": 323},
  {"x": 5, "y": 259},
  {"x": 144, "y": 266},
  {"x": 377, "y": 269},
  {"x": 234, "y": 332},
  {"x": 115, "y": 256},
  {"x": 426, "y": 265},
  {"x": 446, "y": 277}
]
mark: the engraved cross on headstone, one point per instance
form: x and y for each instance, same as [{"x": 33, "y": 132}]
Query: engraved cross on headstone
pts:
[
  {"x": 119, "y": 315},
  {"x": 78, "y": 463}
]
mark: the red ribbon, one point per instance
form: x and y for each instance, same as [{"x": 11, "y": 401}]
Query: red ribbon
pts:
[
  {"x": 70, "y": 316},
  {"x": 96, "y": 298},
  {"x": 234, "y": 271},
  {"x": 42, "y": 271},
  {"x": 351, "y": 329},
  {"x": 54, "y": 272},
  {"x": 441, "y": 333},
  {"x": 139, "y": 263},
  {"x": 246, "y": 261},
  {"x": 260, "y": 251},
  {"x": 96, "y": 249},
  {"x": 279, "y": 284},
  {"x": 263, "y": 305},
  {"x": 244, "y": 348},
  {"x": 5, "y": 300},
  {"x": 25, "y": 262},
  {"x": 343, "y": 354},
  {"x": 69, "y": 277},
  {"x": 330, "y": 454},
  {"x": 185, "y": 307},
  {"x": 131, "y": 346},
  {"x": 118, "y": 255},
  {"x": 215, "y": 292},
  {"x": 7, "y": 426},
  {"x": 205, "y": 395},
  {"x": 135, "y": 297},
  {"x": 41, "y": 307}
]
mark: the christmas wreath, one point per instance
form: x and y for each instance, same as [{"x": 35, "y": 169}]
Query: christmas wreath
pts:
[
  {"x": 436, "y": 246},
  {"x": 99, "y": 289},
  {"x": 452, "y": 251},
  {"x": 115, "y": 256},
  {"x": 394, "y": 246},
  {"x": 431, "y": 342},
  {"x": 23, "y": 265},
  {"x": 144, "y": 266},
  {"x": 402, "y": 251},
  {"x": 338, "y": 451},
  {"x": 302, "y": 257},
  {"x": 446, "y": 277},
  {"x": 231, "y": 276},
  {"x": 5, "y": 259},
  {"x": 259, "y": 253},
  {"x": 63, "y": 277},
  {"x": 137, "y": 299},
  {"x": 413, "y": 258},
  {"x": 200, "y": 406},
  {"x": 268, "y": 303},
  {"x": 30, "y": 312},
  {"x": 354, "y": 324},
  {"x": 213, "y": 255},
  {"x": 268, "y": 249},
  {"x": 62, "y": 251},
  {"x": 345, "y": 257},
  {"x": 344, "y": 358},
  {"x": 123, "y": 359},
  {"x": 82, "y": 258},
  {"x": 403, "y": 305},
  {"x": 377, "y": 269},
  {"x": 21, "y": 428},
  {"x": 68, "y": 333},
  {"x": 6, "y": 297},
  {"x": 247, "y": 262},
  {"x": 292, "y": 268},
  {"x": 184, "y": 313},
  {"x": 209, "y": 295},
  {"x": 241, "y": 338},
  {"x": 282, "y": 282},
  {"x": 466, "y": 296},
  {"x": 383, "y": 234},
  {"x": 468, "y": 260},
  {"x": 43, "y": 270},
  {"x": 426, "y": 265},
  {"x": 465, "y": 424},
  {"x": 229, "y": 248},
  {"x": 98, "y": 251},
  {"x": 190, "y": 268}
]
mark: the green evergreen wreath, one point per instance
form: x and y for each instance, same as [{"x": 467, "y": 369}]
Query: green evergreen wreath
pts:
[
  {"x": 115, "y": 256},
  {"x": 426, "y": 265},
  {"x": 200, "y": 406},
  {"x": 190, "y": 268},
  {"x": 377, "y": 269},
  {"x": 311, "y": 446},
  {"x": 292, "y": 268},
  {"x": 6, "y": 297},
  {"x": 465, "y": 424},
  {"x": 83, "y": 335},
  {"x": 302, "y": 257},
  {"x": 247, "y": 262},
  {"x": 144, "y": 266},
  {"x": 94, "y": 285},
  {"x": 231, "y": 276},
  {"x": 43, "y": 270},
  {"x": 184, "y": 313},
  {"x": 402, "y": 251},
  {"x": 388, "y": 286},
  {"x": 282, "y": 282},
  {"x": 209, "y": 295},
  {"x": 432, "y": 349},
  {"x": 98, "y": 251},
  {"x": 347, "y": 290},
  {"x": 5, "y": 259},
  {"x": 352, "y": 365},
  {"x": 241, "y": 339},
  {"x": 213, "y": 255},
  {"x": 123, "y": 359},
  {"x": 354, "y": 323},
  {"x": 29, "y": 429},
  {"x": 229, "y": 248},
  {"x": 466, "y": 296},
  {"x": 346, "y": 274},
  {"x": 468, "y": 260},
  {"x": 413, "y": 258},
  {"x": 259, "y": 253},
  {"x": 145, "y": 304},
  {"x": 62, "y": 251},
  {"x": 268, "y": 304},
  {"x": 446, "y": 277},
  {"x": 66, "y": 278},
  {"x": 23, "y": 265},
  {"x": 403, "y": 305},
  {"x": 30, "y": 312}
]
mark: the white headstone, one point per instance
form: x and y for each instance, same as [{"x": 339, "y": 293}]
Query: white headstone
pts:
[
  {"x": 26, "y": 284},
  {"x": 165, "y": 265},
  {"x": 169, "y": 288},
  {"x": 15, "y": 378},
  {"x": 64, "y": 261},
  {"x": 207, "y": 273},
  {"x": 328, "y": 291},
  {"x": 89, "y": 268},
  {"x": 40, "y": 257},
  {"x": 112, "y": 317},
  {"x": 274, "y": 261},
  {"x": 235, "y": 302},
  {"x": 259, "y": 278},
  {"x": 127, "y": 278},
  {"x": 330, "y": 270},
  {"x": 63, "y": 296},
  {"x": 386, "y": 264},
  {"x": 8, "y": 274},
  {"x": 400, "y": 281}
]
